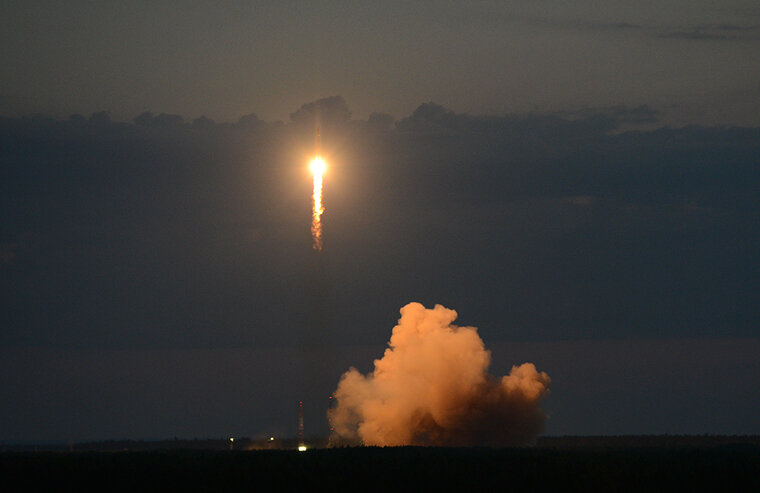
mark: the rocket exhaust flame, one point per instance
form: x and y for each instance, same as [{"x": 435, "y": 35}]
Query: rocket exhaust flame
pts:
[{"x": 317, "y": 168}]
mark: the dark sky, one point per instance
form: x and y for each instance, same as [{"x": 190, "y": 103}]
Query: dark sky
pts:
[{"x": 584, "y": 190}]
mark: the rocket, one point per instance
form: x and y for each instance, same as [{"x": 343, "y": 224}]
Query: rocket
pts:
[{"x": 318, "y": 143}]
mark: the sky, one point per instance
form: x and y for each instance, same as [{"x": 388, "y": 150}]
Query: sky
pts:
[
  {"x": 578, "y": 182},
  {"x": 695, "y": 58}
]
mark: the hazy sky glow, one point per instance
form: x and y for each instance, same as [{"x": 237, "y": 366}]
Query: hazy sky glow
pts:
[
  {"x": 697, "y": 59},
  {"x": 578, "y": 180}
]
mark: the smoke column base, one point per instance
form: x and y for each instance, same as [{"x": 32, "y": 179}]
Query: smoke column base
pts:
[{"x": 432, "y": 387}]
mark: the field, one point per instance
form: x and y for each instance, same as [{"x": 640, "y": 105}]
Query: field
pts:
[{"x": 561, "y": 465}]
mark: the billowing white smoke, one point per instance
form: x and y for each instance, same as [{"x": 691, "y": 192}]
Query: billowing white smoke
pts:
[{"x": 432, "y": 387}]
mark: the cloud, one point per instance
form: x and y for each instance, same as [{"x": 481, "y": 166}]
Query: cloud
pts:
[
  {"x": 8, "y": 252},
  {"x": 100, "y": 118},
  {"x": 432, "y": 387},
  {"x": 332, "y": 110},
  {"x": 163, "y": 120},
  {"x": 202, "y": 123},
  {"x": 696, "y": 35},
  {"x": 138, "y": 236},
  {"x": 725, "y": 31},
  {"x": 619, "y": 115},
  {"x": 250, "y": 121},
  {"x": 381, "y": 121}
]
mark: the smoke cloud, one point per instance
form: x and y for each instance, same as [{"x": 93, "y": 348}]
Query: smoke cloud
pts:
[{"x": 432, "y": 387}]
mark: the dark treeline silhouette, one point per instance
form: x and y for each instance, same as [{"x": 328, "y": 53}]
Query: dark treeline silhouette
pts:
[
  {"x": 404, "y": 468},
  {"x": 632, "y": 441},
  {"x": 291, "y": 443}
]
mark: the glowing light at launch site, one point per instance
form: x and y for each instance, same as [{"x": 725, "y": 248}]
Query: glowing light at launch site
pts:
[{"x": 317, "y": 168}]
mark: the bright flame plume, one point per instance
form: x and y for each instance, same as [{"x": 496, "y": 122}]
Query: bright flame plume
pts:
[{"x": 317, "y": 168}]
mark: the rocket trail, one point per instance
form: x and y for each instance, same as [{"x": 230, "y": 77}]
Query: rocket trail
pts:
[
  {"x": 317, "y": 168},
  {"x": 317, "y": 210}
]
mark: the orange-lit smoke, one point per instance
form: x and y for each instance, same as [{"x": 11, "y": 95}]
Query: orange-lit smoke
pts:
[
  {"x": 317, "y": 168},
  {"x": 432, "y": 387}
]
